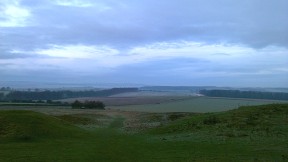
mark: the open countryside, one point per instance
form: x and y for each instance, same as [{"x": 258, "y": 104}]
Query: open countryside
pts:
[
  {"x": 143, "y": 81},
  {"x": 137, "y": 127}
]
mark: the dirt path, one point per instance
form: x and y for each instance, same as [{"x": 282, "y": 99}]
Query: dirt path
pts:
[{"x": 131, "y": 121}]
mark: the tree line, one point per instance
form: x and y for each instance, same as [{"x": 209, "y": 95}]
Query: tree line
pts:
[
  {"x": 5, "y": 89},
  {"x": 56, "y": 95},
  {"x": 245, "y": 94},
  {"x": 88, "y": 105}
]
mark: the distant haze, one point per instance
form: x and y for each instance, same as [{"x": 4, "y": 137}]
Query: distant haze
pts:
[{"x": 241, "y": 43}]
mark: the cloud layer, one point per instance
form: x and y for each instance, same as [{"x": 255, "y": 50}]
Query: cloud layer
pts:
[{"x": 185, "y": 42}]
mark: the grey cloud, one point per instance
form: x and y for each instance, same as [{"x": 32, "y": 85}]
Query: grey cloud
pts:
[
  {"x": 125, "y": 24},
  {"x": 164, "y": 64},
  {"x": 8, "y": 55},
  {"x": 33, "y": 3},
  {"x": 128, "y": 23}
]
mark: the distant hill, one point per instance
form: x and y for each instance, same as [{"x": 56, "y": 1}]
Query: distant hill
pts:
[
  {"x": 55, "y": 95},
  {"x": 195, "y": 89},
  {"x": 245, "y": 94}
]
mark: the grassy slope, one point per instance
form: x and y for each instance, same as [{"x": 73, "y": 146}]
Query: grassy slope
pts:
[
  {"x": 246, "y": 134},
  {"x": 259, "y": 131},
  {"x": 22, "y": 125}
]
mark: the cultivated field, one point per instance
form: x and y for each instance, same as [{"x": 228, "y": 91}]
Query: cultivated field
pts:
[
  {"x": 192, "y": 104},
  {"x": 123, "y": 101}
]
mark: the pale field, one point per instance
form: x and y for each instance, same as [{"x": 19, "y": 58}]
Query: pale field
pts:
[
  {"x": 195, "y": 104},
  {"x": 131, "y": 100}
]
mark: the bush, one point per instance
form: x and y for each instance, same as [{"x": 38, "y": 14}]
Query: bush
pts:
[
  {"x": 76, "y": 104},
  {"x": 211, "y": 120},
  {"x": 88, "y": 105},
  {"x": 173, "y": 117}
]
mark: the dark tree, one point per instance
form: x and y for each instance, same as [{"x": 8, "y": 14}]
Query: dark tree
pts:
[
  {"x": 1, "y": 96},
  {"x": 94, "y": 105},
  {"x": 77, "y": 104},
  {"x": 88, "y": 105}
]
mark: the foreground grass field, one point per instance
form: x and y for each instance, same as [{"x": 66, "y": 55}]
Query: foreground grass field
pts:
[{"x": 253, "y": 133}]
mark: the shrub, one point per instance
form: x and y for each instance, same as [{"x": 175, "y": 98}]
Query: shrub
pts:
[
  {"x": 211, "y": 120},
  {"x": 76, "y": 104},
  {"x": 88, "y": 105},
  {"x": 173, "y": 117}
]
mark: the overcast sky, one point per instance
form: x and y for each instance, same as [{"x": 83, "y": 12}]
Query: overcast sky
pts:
[{"x": 150, "y": 42}]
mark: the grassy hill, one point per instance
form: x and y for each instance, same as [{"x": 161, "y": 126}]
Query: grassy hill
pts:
[
  {"x": 254, "y": 133},
  {"x": 270, "y": 120},
  {"x": 28, "y": 125}
]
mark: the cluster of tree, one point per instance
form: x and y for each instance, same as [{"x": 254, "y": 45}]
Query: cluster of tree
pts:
[
  {"x": 55, "y": 95},
  {"x": 2, "y": 96},
  {"x": 245, "y": 94},
  {"x": 5, "y": 89},
  {"x": 35, "y": 102},
  {"x": 88, "y": 105}
]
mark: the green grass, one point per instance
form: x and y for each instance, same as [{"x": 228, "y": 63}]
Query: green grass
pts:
[
  {"x": 270, "y": 119},
  {"x": 76, "y": 119},
  {"x": 263, "y": 130},
  {"x": 23, "y": 125},
  {"x": 197, "y": 104},
  {"x": 200, "y": 137},
  {"x": 117, "y": 122}
]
